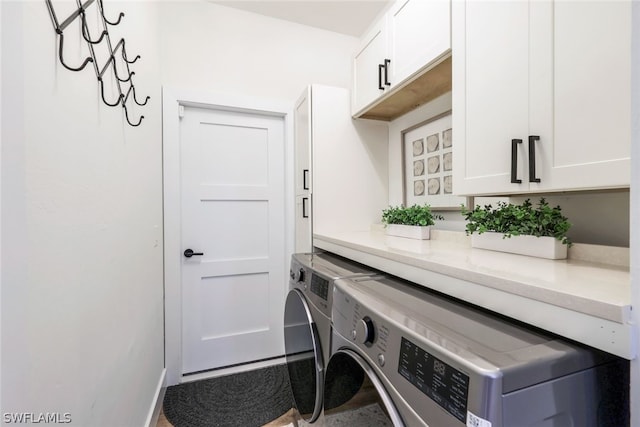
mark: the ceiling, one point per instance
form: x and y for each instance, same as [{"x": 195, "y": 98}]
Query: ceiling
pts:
[{"x": 351, "y": 17}]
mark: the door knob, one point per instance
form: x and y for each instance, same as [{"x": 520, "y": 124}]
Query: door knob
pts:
[{"x": 189, "y": 253}]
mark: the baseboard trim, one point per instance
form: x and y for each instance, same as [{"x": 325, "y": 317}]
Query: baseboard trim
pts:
[
  {"x": 156, "y": 404},
  {"x": 232, "y": 370}
]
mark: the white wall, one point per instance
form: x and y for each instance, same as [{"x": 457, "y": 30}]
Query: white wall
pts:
[
  {"x": 82, "y": 291},
  {"x": 223, "y": 50}
]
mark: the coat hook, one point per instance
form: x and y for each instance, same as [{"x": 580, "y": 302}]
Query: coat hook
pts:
[
  {"x": 131, "y": 74},
  {"x": 81, "y": 67},
  {"x": 120, "y": 16},
  {"x": 103, "y": 98},
  {"x": 126, "y": 113},
  {"x": 136, "y": 99},
  {"x": 85, "y": 33},
  {"x": 124, "y": 55},
  {"x": 85, "y": 27},
  {"x": 124, "y": 52},
  {"x": 132, "y": 89},
  {"x": 59, "y": 31}
]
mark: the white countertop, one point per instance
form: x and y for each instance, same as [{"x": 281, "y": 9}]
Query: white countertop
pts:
[{"x": 569, "y": 297}]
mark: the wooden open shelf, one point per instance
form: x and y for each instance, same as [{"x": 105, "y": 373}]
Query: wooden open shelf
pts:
[{"x": 430, "y": 84}]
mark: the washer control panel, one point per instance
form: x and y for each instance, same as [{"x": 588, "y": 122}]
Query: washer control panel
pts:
[
  {"x": 315, "y": 286},
  {"x": 445, "y": 385},
  {"x": 320, "y": 286}
]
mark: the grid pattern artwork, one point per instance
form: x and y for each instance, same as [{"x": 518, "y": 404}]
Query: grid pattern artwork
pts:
[{"x": 429, "y": 164}]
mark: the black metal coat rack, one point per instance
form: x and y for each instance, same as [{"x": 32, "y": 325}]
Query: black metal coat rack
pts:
[{"x": 119, "y": 53}]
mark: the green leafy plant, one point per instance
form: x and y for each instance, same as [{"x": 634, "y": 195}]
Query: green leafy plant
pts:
[
  {"x": 412, "y": 215},
  {"x": 515, "y": 220}
]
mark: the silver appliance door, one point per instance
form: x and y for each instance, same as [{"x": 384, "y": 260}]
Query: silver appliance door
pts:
[
  {"x": 354, "y": 396},
  {"x": 304, "y": 356}
]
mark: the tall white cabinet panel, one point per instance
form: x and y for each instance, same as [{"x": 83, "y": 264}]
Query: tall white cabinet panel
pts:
[
  {"x": 303, "y": 224},
  {"x": 368, "y": 66},
  {"x": 419, "y": 32},
  {"x": 546, "y": 108},
  {"x": 302, "y": 165},
  {"x": 349, "y": 163},
  {"x": 349, "y": 170},
  {"x": 302, "y": 129}
]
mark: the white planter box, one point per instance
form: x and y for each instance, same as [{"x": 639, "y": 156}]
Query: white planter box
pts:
[
  {"x": 541, "y": 247},
  {"x": 409, "y": 231}
]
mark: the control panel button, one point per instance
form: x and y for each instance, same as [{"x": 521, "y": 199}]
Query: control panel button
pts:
[
  {"x": 354, "y": 334},
  {"x": 299, "y": 275},
  {"x": 381, "y": 359},
  {"x": 365, "y": 332}
]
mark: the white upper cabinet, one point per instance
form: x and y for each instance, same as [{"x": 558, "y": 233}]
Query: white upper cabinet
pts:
[
  {"x": 410, "y": 37},
  {"x": 368, "y": 66},
  {"x": 541, "y": 98},
  {"x": 419, "y": 32},
  {"x": 590, "y": 96}
]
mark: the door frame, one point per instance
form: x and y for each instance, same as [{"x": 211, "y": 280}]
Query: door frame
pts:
[{"x": 172, "y": 99}]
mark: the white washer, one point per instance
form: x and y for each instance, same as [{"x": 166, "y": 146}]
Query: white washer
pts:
[
  {"x": 433, "y": 361},
  {"x": 307, "y": 324}
]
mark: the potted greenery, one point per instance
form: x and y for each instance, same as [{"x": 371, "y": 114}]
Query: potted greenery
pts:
[
  {"x": 523, "y": 229},
  {"x": 413, "y": 222}
]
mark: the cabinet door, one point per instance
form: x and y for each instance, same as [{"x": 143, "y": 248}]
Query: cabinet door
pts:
[
  {"x": 419, "y": 32},
  {"x": 584, "y": 113},
  {"x": 302, "y": 144},
  {"x": 367, "y": 78},
  {"x": 303, "y": 224},
  {"x": 490, "y": 97}
]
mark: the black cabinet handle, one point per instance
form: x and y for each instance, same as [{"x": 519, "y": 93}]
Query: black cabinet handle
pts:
[
  {"x": 380, "y": 67},
  {"x": 386, "y": 72},
  {"x": 304, "y": 207},
  {"x": 189, "y": 253},
  {"x": 514, "y": 161},
  {"x": 305, "y": 175},
  {"x": 532, "y": 158}
]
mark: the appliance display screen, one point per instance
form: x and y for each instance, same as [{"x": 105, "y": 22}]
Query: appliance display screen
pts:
[
  {"x": 320, "y": 286},
  {"x": 442, "y": 383}
]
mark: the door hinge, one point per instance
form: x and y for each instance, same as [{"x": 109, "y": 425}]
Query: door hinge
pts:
[{"x": 180, "y": 111}]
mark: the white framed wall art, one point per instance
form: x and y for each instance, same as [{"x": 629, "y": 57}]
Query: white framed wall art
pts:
[{"x": 428, "y": 164}]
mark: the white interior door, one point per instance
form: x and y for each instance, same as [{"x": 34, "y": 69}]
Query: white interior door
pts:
[{"x": 232, "y": 211}]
